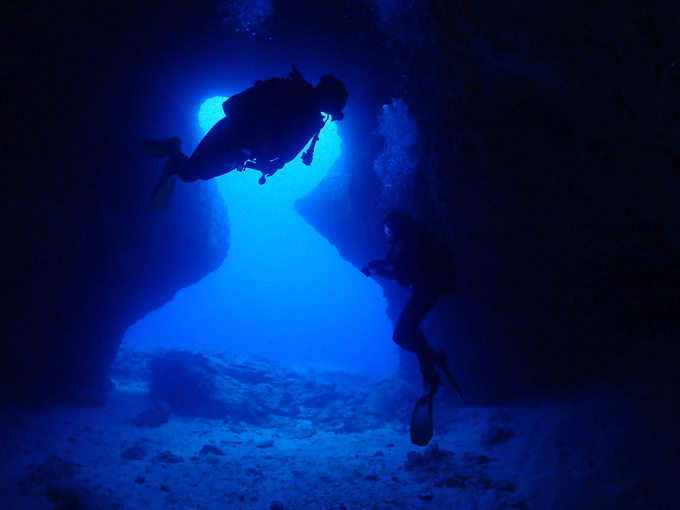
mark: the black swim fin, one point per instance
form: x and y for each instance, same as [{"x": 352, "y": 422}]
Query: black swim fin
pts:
[
  {"x": 422, "y": 428},
  {"x": 443, "y": 365},
  {"x": 163, "y": 192}
]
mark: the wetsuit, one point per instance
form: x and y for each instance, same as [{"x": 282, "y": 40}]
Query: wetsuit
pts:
[
  {"x": 270, "y": 122},
  {"x": 428, "y": 268}
]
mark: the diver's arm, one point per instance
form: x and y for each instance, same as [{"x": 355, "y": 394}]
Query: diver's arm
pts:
[
  {"x": 384, "y": 272},
  {"x": 379, "y": 267},
  {"x": 377, "y": 263}
]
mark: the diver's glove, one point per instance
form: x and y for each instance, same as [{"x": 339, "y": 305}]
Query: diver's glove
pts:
[{"x": 378, "y": 266}]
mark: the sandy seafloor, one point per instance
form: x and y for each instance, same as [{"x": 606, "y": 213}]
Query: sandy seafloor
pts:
[{"x": 612, "y": 445}]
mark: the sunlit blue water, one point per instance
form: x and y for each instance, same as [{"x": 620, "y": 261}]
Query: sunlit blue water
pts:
[{"x": 283, "y": 291}]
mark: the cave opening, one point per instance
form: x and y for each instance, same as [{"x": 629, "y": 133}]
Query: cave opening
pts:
[{"x": 283, "y": 291}]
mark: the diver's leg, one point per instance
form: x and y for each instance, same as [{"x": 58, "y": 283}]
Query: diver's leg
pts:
[
  {"x": 408, "y": 335},
  {"x": 219, "y": 151},
  {"x": 177, "y": 164},
  {"x": 180, "y": 165}
]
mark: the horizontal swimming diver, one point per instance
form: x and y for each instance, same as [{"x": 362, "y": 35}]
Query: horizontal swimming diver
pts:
[{"x": 265, "y": 127}]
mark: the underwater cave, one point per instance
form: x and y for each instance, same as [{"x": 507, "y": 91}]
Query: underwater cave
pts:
[
  {"x": 226, "y": 351},
  {"x": 283, "y": 291}
]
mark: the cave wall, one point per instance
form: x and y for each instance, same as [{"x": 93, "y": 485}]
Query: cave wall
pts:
[
  {"x": 82, "y": 259},
  {"x": 549, "y": 163}
]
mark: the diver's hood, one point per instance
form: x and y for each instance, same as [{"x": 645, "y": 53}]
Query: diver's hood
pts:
[{"x": 332, "y": 96}]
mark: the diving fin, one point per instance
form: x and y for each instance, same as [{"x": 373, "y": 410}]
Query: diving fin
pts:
[
  {"x": 443, "y": 365},
  {"x": 163, "y": 192},
  {"x": 422, "y": 428},
  {"x": 159, "y": 149}
]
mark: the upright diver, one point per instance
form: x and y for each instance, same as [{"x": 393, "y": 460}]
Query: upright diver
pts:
[
  {"x": 265, "y": 127},
  {"x": 416, "y": 260}
]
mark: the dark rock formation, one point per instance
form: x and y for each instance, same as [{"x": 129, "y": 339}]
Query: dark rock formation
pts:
[
  {"x": 52, "y": 469},
  {"x": 156, "y": 416},
  {"x": 134, "y": 453},
  {"x": 496, "y": 435},
  {"x": 546, "y": 155},
  {"x": 192, "y": 384},
  {"x": 208, "y": 448},
  {"x": 167, "y": 457},
  {"x": 83, "y": 496},
  {"x": 82, "y": 260},
  {"x": 183, "y": 380}
]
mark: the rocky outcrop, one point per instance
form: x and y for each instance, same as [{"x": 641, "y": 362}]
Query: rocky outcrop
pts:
[
  {"x": 82, "y": 259},
  {"x": 546, "y": 157},
  {"x": 257, "y": 391}
]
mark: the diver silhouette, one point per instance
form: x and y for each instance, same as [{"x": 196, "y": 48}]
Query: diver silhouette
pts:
[
  {"x": 265, "y": 127},
  {"x": 416, "y": 260}
]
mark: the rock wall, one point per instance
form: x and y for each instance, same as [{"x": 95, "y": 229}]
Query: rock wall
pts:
[
  {"x": 549, "y": 162},
  {"x": 82, "y": 259}
]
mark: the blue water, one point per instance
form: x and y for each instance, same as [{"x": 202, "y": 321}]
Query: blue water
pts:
[{"x": 283, "y": 291}]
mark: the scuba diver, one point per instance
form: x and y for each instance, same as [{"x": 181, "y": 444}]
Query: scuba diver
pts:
[
  {"x": 416, "y": 260},
  {"x": 265, "y": 127}
]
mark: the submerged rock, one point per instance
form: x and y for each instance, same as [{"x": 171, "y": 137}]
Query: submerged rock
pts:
[
  {"x": 414, "y": 460},
  {"x": 498, "y": 416},
  {"x": 81, "y": 497},
  {"x": 267, "y": 394},
  {"x": 183, "y": 379},
  {"x": 435, "y": 454},
  {"x": 253, "y": 370},
  {"x": 134, "y": 453},
  {"x": 167, "y": 457},
  {"x": 321, "y": 399},
  {"x": 492, "y": 500},
  {"x": 153, "y": 417},
  {"x": 50, "y": 470},
  {"x": 431, "y": 457},
  {"x": 304, "y": 433},
  {"x": 496, "y": 435},
  {"x": 208, "y": 448}
]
